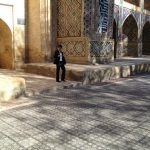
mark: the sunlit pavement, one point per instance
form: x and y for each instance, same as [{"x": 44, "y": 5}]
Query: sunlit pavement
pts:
[{"x": 91, "y": 117}]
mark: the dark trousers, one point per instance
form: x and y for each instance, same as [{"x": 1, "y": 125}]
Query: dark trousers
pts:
[{"x": 62, "y": 66}]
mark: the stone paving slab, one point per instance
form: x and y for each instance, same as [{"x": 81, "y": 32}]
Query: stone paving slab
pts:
[
  {"x": 35, "y": 84},
  {"x": 110, "y": 117}
]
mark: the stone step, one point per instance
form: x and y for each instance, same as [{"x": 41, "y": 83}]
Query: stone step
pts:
[
  {"x": 90, "y": 73},
  {"x": 49, "y": 70}
]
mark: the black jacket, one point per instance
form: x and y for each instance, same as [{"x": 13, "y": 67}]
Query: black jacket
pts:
[{"x": 57, "y": 58}]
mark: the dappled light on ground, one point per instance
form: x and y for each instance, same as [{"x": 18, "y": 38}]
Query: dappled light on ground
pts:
[{"x": 90, "y": 117}]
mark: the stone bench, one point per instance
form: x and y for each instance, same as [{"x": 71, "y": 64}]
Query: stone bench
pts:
[{"x": 11, "y": 87}]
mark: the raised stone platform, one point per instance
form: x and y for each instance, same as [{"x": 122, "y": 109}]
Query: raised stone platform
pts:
[
  {"x": 11, "y": 87},
  {"x": 94, "y": 73}
]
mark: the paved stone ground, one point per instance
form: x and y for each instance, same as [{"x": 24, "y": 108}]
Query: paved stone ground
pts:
[
  {"x": 91, "y": 117},
  {"x": 35, "y": 83}
]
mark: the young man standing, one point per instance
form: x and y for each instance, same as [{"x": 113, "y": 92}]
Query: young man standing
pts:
[{"x": 60, "y": 62}]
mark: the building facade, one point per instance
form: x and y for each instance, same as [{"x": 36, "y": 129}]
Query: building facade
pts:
[
  {"x": 131, "y": 28},
  {"x": 75, "y": 24},
  {"x": 91, "y": 31}
]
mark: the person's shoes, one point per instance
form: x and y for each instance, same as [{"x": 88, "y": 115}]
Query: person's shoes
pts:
[{"x": 57, "y": 81}]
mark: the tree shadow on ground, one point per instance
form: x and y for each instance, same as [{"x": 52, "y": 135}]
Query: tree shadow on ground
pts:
[{"x": 112, "y": 116}]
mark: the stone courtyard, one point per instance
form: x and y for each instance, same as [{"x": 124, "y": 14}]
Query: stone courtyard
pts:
[
  {"x": 90, "y": 117},
  {"x": 104, "y": 103}
]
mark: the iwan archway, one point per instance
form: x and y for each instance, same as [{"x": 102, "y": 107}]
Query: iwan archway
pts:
[
  {"x": 146, "y": 39},
  {"x": 6, "y": 55},
  {"x": 130, "y": 36}
]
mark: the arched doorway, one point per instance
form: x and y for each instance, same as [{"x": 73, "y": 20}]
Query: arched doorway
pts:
[
  {"x": 115, "y": 33},
  {"x": 6, "y": 58},
  {"x": 130, "y": 36},
  {"x": 146, "y": 39}
]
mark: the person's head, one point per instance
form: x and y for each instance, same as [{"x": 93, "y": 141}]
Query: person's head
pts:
[{"x": 59, "y": 47}]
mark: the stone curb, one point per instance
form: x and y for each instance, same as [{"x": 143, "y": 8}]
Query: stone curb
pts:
[
  {"x": 106, "y": 74},
  {"x": 101, "y": 75}
]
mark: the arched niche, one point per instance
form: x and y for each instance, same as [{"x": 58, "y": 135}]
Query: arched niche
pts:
[
  {"x": 6, "y": 55},
  {"x": 146, "y": 39},
  {"x": 130, "y": 35}
]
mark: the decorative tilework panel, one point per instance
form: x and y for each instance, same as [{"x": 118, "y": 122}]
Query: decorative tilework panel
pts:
[
  {"x": 87, "y": 16},
  {"x": 102, "y": 50},
  {"x": 127, "y": 12},
  {"x": 146, "y": 18},
  {"x": 75, "y": 47},
  {"x": 69, "y": 18},
  {"x": 103, "y": 20},
  {"x": 110, "y": 18},
  {"x": 116, "y": 13},
  {"x": 136, "y": 14}
]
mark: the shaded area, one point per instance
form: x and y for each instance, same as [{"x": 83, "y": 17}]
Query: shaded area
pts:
[
  {"x": 115, "y": 34},
  {"x": 146, "y": 39},
  {"x": 130, "y": 31}
]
